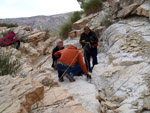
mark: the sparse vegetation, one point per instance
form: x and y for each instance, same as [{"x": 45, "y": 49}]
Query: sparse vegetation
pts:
[
  {"x": 8, "y": 65},
  {"x": 107, "y": 21},
  {"x": 76, "y": 16},
  {"x": 67, "y": 27},
  {"x": 5, "y": 33},
  {"x": 8, "y": 25},
  {"x": 90, "y": 7},
  {"x": 47, "y": 35}
]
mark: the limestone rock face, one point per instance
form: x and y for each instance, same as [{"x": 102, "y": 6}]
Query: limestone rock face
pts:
[
  {"x": 58, "y": 100},
  {"x": 35, "y": 38},
  {"x": 127, "y": 10},
  {"x": 124, "y": 3},
  {"x": 121, "y": 75},
  {"x": 19, "y": 94},
  {"x": 82, "y": 22},
  {"x": 123, "y": 8},
  {"x": 29, "y": 52},
  {"x": 144, "y": 9}
]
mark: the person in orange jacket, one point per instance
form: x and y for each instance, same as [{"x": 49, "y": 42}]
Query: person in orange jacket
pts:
[{"x": 71, "y": 62}]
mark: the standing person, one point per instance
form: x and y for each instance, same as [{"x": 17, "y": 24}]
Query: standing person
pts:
[
  {"x": 71, "y": 62},
  {"x": 89, "y": 42},
  {"x": 59, "y": 46}
]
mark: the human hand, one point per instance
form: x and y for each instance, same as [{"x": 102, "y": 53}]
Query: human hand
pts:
[
  {"x": 83, "y": 41},
  {"x": 88, "y": 76},
  {"x": 92, "y": 42}
]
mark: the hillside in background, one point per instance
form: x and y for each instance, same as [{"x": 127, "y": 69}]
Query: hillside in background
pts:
[{"x": 52, "y": 22}]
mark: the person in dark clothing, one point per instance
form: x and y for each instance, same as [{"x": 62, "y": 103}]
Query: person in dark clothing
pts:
[
  {"x": 59, "y": 46},
  {"x": 89, "y": 43}
]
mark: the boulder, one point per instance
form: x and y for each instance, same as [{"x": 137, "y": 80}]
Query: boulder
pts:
[
  {"x": 35, "y": 38},
  {"x": 147, "y": 102},
  {"x": 82, "y": 22},
  {"x": 46, "y": 79},
  {"x": 29, "y": 52},
  {"x": 58, "y": 100},
  {"x": 19, "y": 94},
  {"x": 125, "y": 65},
  {"x": 127, "y": 10},
  {"x": 144, "y": 9},
  {"x": 109, "y": 105}
]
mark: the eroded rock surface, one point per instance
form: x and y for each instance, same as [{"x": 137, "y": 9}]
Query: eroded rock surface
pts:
[
  {"x": 123, "y": 69},
  {"x": 17, "y": 95}
]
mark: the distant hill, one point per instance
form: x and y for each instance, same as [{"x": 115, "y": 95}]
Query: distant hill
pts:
[{"x": 52, "y": 22}]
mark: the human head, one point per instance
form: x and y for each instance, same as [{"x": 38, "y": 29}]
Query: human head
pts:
[
  {"x": 86, "y": 30},
  {"x": 59, "y": 43}
]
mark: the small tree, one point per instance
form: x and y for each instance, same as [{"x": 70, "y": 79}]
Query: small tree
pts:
[
  {"x": 92, "y": 6},
  {"x": 76, "y": 16},
  {"x": 81, "y": 2},
  {"x": 65, "y": 29}
]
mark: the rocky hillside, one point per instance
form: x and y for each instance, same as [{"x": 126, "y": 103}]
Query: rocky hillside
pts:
[
  {"x": 121, "y": 79},
  {"x": 41, "y": 22},
  {"x": 34, "y": 89},
  {"x": 122, "y": 76}
]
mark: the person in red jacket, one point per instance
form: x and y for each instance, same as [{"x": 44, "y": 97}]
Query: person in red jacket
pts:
[{"x": 71, "y": 62}]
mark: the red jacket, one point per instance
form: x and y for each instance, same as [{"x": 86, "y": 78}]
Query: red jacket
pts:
[{"x": 71, "y": 55}]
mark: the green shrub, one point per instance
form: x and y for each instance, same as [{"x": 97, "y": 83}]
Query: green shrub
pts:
[
  {"x": 65, "y": 29},
  {"x": 76, "y": 16},
  {"x": 7, "y": 64},
  {"x": 8, "y": 25},
  {"x": 92, "y": 6},
  {"x": 107, "y": 21},
  {"x": 81, "y": 2}
]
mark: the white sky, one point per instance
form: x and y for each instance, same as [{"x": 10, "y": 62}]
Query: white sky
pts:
[{"x": 27, "y": 8}]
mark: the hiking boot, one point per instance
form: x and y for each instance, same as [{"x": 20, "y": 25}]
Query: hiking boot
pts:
[
  {"x": 61, "y": 80},
  {"x": 70, "y": 77}
]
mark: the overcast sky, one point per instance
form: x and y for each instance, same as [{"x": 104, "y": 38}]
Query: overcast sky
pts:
[{"x": 27, "y": 8}]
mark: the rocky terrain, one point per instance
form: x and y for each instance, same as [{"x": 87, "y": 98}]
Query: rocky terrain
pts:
[{"x": 121, "y": 80}]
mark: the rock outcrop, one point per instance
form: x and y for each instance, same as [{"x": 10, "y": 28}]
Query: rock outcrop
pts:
[
  {"x": 19, "y": 94},
  {"x": 34, "y": 89},
  {"x": 58, "y": 100},
  {"x": 121, "y": 75}
]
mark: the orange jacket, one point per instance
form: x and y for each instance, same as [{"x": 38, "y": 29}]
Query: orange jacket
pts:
[{"x": 71, "y": 55}]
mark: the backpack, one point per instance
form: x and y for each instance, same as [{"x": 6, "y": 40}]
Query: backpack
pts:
[{"x": 8, "y": 39}]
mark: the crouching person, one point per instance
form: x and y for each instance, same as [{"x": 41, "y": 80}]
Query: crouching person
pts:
[{"x": 70, "y": 63}]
